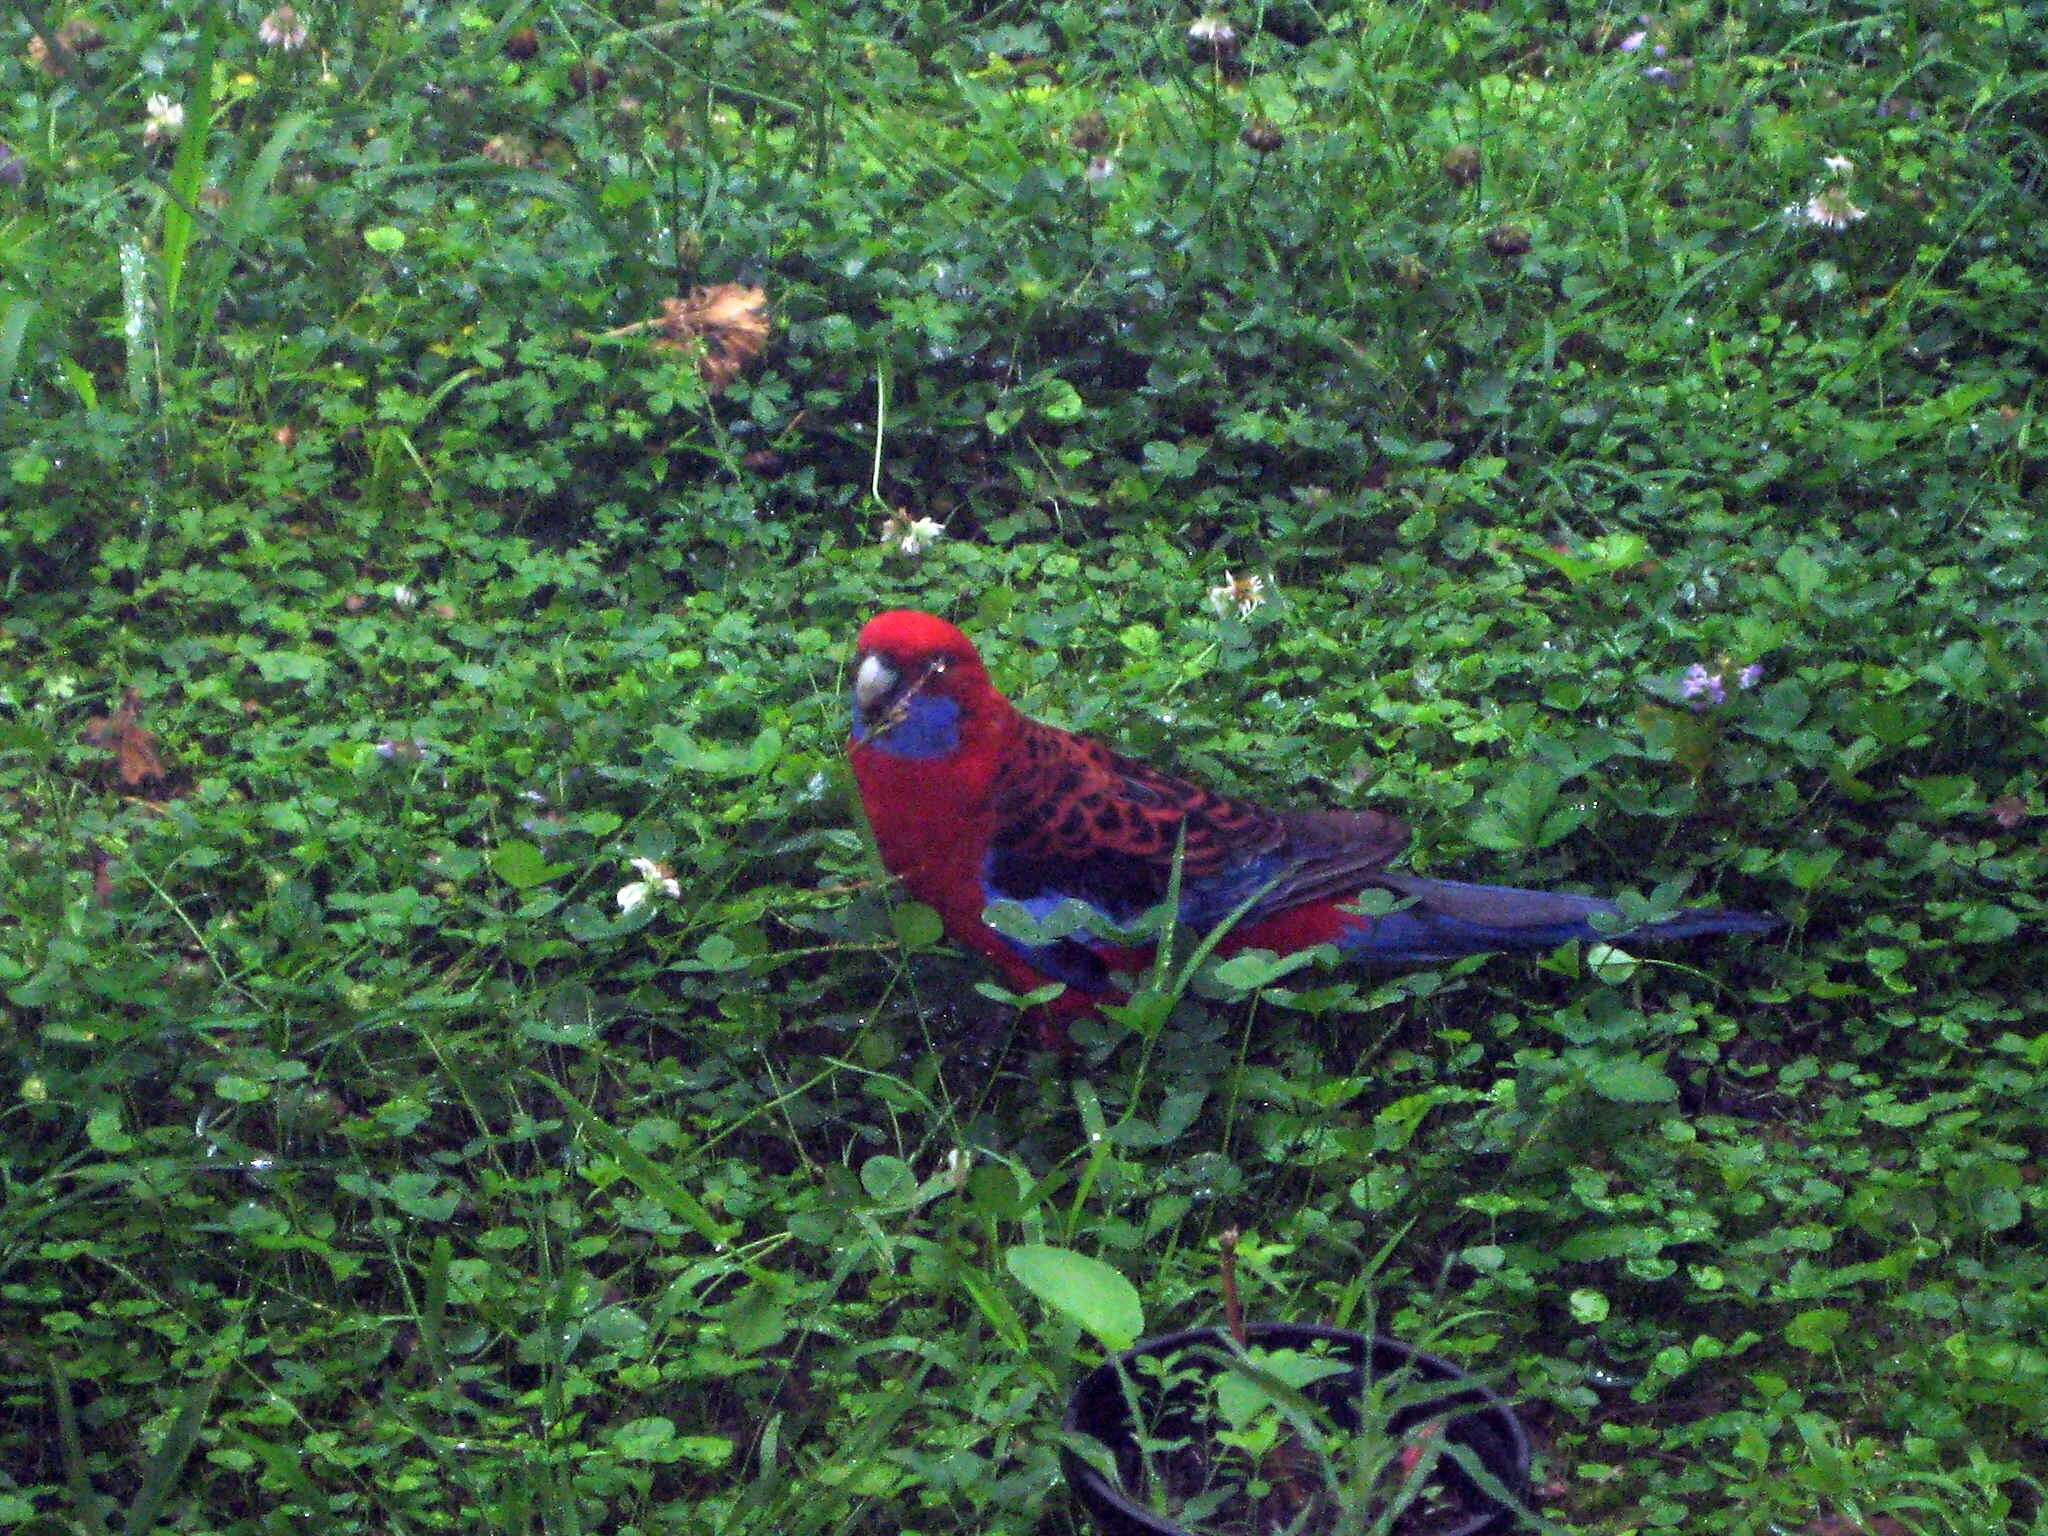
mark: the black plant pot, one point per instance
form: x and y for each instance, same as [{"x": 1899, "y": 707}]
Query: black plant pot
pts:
[{"x": 1476, "y": 1416}]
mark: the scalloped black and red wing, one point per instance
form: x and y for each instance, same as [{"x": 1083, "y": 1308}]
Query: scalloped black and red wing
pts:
[{"x": 1076, "y": 821}]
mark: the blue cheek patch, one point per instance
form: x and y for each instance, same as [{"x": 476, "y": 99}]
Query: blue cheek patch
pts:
[{"x": 930, "y": 728}]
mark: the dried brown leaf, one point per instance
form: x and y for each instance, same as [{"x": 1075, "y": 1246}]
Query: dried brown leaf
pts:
[
  {"x": 729, "y": 320},
  {"x": 133, "y": 747}
]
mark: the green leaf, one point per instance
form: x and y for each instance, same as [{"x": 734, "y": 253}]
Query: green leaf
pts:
[
  {"x": 1085, "y": 1290},
  {"x": 917, "y": 925},
  {"x": 290, "y": 667},
  {"x": 1014, "y": 920},
  {"x": 888, "y": 1180},
  {"x": 522, "y": 865},
  {"x": 1251, "y": 969},
  {"x": 1625, "y": 1080},
  {"x": 643, "y": 1439},
  {"x": 1060, "y": 402},
  {"x": 1524, "y": 813},
  {"x": 1610, "y": 964},
  {"x": 1613, "y": 1243},
  {"x": 1036, "y": 997},
  {"x": 693, "y": 756},
  {"x": 705, "y": 1450},
  {"x": 717, "y": 952},
  {"x": 103, "y": 1130},
  {"x": 384, "y": 239},
  {"x": 416, "y": 1194},
  {"x": 1817, "y": 1330},
  {"x": 1998, "y": 1209},
  {"x": 1241, "y": 1396},
  {"x": 1986, "y": 923},
  {"x": 1802, "y": 572}
]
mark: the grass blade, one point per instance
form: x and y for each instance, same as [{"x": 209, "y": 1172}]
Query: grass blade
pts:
[
  {"x": 170, "y": 1457},
  {"x": 138, "y": 334},
  {"x": 434, "y": 1308},
  {"x": 188, "y": 170},
  {"x": 14, "y": 321},
  {"x": 286, "y": 1464},
  {"x": 653, "y": 1180},
  {"x": 85, "y": 1509},
  {"x": 82, "y": 383},
  {"x": 243, "y": 216}
]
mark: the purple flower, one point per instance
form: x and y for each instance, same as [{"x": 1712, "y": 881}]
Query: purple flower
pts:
[
  {"x": 13, "y": 169},
  {"x": 1704, "y": 688},
  {"x": 1750, "y": 675},
  {"x": 1635, "y": 40},
  {"x": 1657, "y": 74}
]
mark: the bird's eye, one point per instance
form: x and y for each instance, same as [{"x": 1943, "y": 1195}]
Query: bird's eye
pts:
[{"x": 939, "y": 664}]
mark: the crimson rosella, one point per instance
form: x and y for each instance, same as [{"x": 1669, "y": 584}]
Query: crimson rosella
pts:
[{"x": 973, "y": 803}]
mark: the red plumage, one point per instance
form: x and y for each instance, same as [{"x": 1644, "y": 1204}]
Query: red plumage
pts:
[{"x": 971, "y": 802}]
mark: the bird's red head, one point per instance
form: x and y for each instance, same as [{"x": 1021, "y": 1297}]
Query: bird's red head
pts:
[
  {"x": 906, "y": 637},
  {"x": 918, "y": 685}
]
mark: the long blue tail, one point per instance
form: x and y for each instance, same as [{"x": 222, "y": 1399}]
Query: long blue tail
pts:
[{"x": 1451, "y": 919}]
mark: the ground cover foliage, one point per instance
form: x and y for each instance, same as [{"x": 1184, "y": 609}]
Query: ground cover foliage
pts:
[{"x": 366, "y": 609}]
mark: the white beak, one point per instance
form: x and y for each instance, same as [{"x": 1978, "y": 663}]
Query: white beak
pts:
[{"x": 872, "y": 682}]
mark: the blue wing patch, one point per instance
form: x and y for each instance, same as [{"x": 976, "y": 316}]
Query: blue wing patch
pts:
[{"x": 1068, "y": 960}]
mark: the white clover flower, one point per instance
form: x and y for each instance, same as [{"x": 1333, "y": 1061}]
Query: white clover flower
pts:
[
  {"x": 165, "y": 119},
  {"x": 1100, "y": 169},
  {"x": 1244, "y": 593},
  {"x": 1841, "y": 165},
  {"x": 1830, "y": 209},
  {"x": 404, "y": 596},
  {"x": 655, "y": 880},
  {"x": 913, "y": 536},
  {"x": 283, "y": 28},
  {"x": 956, "y": 1167}
]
